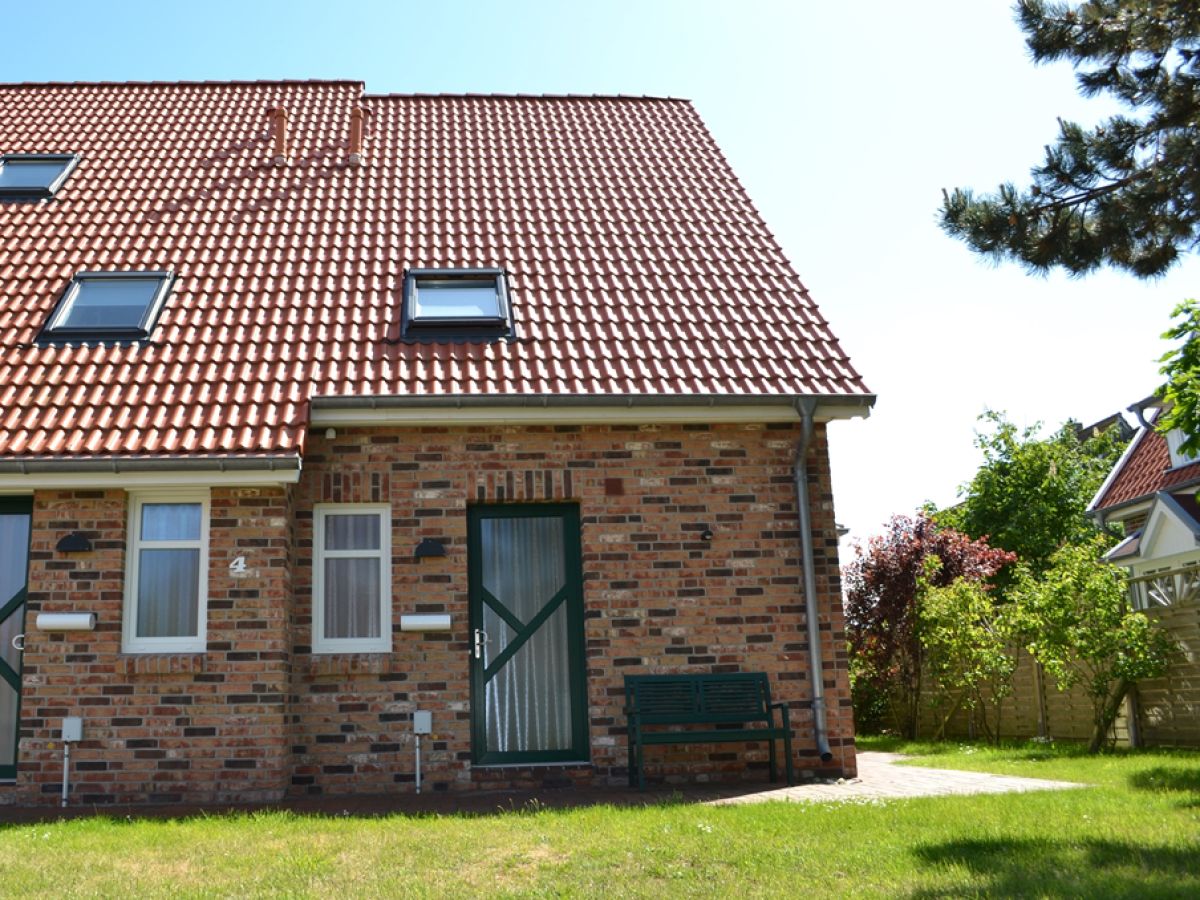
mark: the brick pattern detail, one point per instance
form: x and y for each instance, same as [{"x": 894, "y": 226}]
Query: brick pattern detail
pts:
[
  {"x": 657, "y": 597},
  {"x": 259, "y": 715},
  {"x": 188, "y": 727}
]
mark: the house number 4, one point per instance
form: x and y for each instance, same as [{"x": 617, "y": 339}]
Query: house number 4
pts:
[{"x": 238, "y": 566}]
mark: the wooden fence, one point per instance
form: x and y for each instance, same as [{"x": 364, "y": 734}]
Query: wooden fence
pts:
[{"x": 1168, "y": 708}]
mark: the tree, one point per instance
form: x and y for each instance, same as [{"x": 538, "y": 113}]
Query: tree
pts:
[
  {"x": 967, "y": 643},
  {"x": 1125, "y": 193},
  {"x": 1076, "y": 622},
  {"x": 1031, "y": 493},
  {"x": 1181, "y": 366},
  {"x": 881, "y": 607}
]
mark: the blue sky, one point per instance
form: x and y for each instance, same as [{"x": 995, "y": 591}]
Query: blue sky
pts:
[{"x": 843, "y": 120}]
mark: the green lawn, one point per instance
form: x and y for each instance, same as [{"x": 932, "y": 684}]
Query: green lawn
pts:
[{"x": 1136, "y": 833}]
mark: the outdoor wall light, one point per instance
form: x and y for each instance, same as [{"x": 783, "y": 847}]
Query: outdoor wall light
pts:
[
  {"x": 75, "y": 542},
  {"x": 429, "y": 547},
  {"x": 706, "y": 534}
]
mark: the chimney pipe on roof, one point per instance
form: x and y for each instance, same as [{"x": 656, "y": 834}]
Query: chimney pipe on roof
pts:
[
  {"x": 279, "y": 132},
  {"x": 356, "y": 135}
]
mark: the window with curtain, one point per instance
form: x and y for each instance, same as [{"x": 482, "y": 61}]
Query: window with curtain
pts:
[
  {"x": 166, "y": 580},
  {"x": 351, "y": 579}
]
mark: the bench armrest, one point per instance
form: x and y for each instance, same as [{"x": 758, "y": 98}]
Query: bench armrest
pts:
[{"x": 785, "y": 713}]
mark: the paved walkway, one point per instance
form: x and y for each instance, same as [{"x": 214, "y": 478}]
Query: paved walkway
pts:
[{"x": 879, "y": 778}]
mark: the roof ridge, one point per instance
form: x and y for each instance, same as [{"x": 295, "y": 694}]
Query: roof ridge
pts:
[
  {"x": 186, "y": 83},
  {"x": 470, "y": 95}
]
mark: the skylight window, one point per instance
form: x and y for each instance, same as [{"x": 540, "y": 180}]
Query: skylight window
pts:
[
  {"x": 109, "y": 305},
  {"x": 456, "y": 303},
  {"x": 34, "y": 176}
]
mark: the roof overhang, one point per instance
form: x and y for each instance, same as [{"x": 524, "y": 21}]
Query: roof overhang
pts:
[
  {"x": 577, "y": 409},
  {"x": 44, "y": 472},
  {"x": 1170, "y": 530}
]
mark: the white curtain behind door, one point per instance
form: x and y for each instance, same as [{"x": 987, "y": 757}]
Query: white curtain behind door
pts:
[{"x": 528, "y": 702}]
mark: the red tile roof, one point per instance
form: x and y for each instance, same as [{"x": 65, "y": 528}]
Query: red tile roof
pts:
[
  {"x": 637, "y": 262},
  {"x": 1146, "y": 471}
]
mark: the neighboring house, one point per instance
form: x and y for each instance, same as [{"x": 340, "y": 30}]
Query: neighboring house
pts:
[
  {"x": 319, "y": 408},
  {"x": 1151, "y": 494}
]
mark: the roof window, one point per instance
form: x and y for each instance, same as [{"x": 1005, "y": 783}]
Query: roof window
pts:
[
  {"x": 109, "y": 305},
  {"x": 460, "y": 303},
  {"x": 28, "y": 176}
]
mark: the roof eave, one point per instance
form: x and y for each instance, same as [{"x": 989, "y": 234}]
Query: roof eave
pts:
[
  {"x": 23, "y": 474},
  {"x": 394, "y": 409}
]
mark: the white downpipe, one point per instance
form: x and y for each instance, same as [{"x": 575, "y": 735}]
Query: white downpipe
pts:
[
  {"x": 66, "y": 787},
  {"x": 806, "y": 407},
  {"x": 418, "y": 739}
]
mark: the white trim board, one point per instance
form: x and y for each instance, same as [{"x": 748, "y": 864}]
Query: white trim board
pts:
[
  {"x": 17, "y": 483},
  {"x": 329, "y": 417}
]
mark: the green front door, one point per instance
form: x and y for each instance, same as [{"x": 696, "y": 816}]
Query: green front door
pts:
[
  {"x": 528, "y": 686},
  {"x": 15, "y": 513}
]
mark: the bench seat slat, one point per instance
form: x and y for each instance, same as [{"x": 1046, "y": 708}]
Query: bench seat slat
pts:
[{"x": 710, "y": 737}]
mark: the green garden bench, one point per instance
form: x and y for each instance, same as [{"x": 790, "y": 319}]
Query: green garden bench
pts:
[{"x": 720, "y": 699}]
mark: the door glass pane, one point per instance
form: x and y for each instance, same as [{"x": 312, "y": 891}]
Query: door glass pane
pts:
[
  {"x": 352, "y": 532},
  {"x": 171, "y": 521},
  {"x": 14, "y": 544},
  {"x": 498, "y": 632},
  {"x": 527, "y": 703},
  {"x": 14, "y": 549},
  {"x": 168, "y": 593},
  {"x": 523, "y": 564},
  {"x": 9, "y": 629},
  {"x": 8, "y": 725},
  {"x": 352, "y": 588}
]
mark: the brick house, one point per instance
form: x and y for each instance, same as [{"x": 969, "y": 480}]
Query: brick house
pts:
[
  {"x": 319, "y": 408},
  {"x": 1151, "y": 494}
]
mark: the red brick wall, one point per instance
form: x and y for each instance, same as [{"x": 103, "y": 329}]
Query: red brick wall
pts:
[
  {"x": 657, "y": 598},
  {"x": 258, "y": 714},
  {"x": 206, "y": 726}
]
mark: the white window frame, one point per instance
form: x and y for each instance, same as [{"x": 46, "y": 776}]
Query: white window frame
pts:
[
  {"x": 383, "y": 643},
  {"x": 197, "y": 643},
  {"x": 1178, "y": 459}
]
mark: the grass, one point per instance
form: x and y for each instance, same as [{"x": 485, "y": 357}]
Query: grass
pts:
[{"x": 1136, "y": 833}]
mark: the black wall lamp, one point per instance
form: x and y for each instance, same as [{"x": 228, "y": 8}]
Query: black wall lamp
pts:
[
  {"x": 429, "y": 547},
  {"x": 75, "y": 542}
]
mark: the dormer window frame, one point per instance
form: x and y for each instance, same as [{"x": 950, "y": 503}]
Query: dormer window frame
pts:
[
  {"x": 38, "y": 192},
  {"x": 55, "y": 331},
  {"x": 1174, "y": 438},
  {"x": 434, "y": 327}
]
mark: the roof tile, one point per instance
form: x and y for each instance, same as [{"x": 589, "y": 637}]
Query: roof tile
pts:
[
  {"x": 637, "y": 263},
  {"x": 1146, "y": 471}
]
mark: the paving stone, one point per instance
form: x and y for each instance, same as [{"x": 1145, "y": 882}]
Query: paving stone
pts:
[{"x": 879, "y": 778}]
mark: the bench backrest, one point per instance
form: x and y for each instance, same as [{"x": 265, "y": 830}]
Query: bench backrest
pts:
[{"x": 676, "y": 699}]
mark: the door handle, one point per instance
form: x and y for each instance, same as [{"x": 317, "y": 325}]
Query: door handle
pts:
[
  {"x": 18, "y": 642},
  {"x": 481, "y": 639}
]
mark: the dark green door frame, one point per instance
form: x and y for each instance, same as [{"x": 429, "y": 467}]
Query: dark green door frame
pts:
[
  {"x": 10, "y": 606},
  {"x": 570, "y": 597}
]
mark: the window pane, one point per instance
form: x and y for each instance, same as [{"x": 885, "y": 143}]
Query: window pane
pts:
[
  {"x": 168, "y": 593},
  {"x": 110, "y": 302},
  {"x": 19, "y": 174},
  {"x": 352, "y": 589},
  {"x": 171, "y": 521},
  {"x": 456, "y": 300},
  {"x": 352, "y": 532}
]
